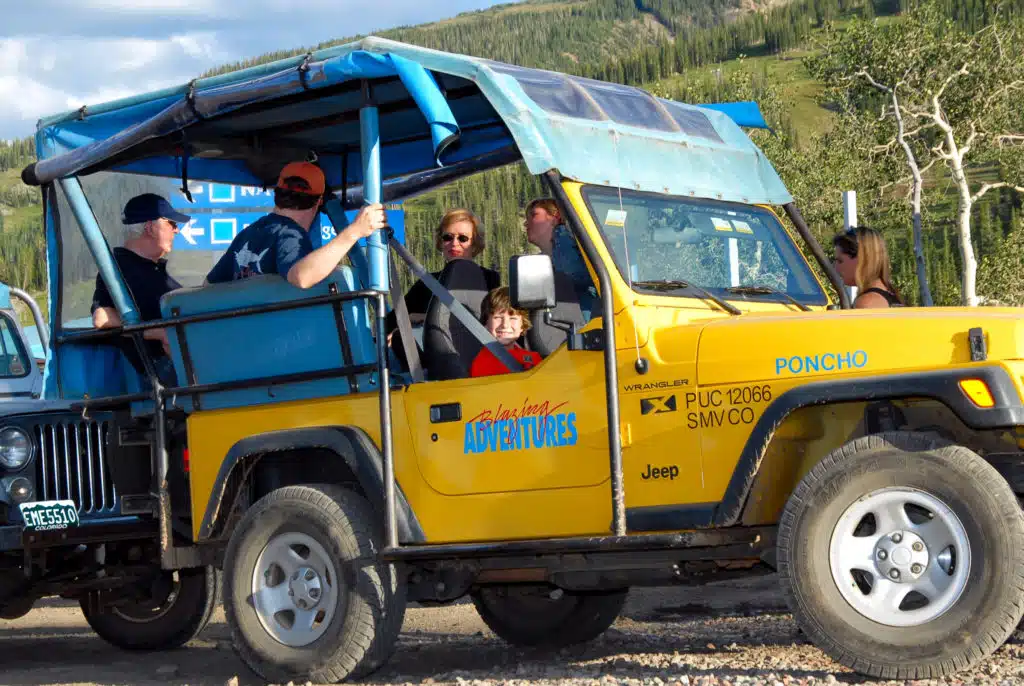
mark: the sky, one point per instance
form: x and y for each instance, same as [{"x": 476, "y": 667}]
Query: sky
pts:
[{"x": 57, "y": 55}]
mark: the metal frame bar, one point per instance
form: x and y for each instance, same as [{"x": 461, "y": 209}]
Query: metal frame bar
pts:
[
  {"x": 611, "y": 371},
  {"x": 805, "y": 232},
  {"x": 581, "y": 545}
]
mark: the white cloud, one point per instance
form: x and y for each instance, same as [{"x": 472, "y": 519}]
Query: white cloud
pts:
[
  {"x": 60, "y": 54},
  {"x": 43, "y": 76},
  {"x": 150, "y": 6}
]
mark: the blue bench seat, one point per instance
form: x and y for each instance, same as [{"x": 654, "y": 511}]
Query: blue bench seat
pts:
[{"x": 269, "y": 344}]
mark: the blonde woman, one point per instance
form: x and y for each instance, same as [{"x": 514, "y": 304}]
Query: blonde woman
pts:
[
  {"x": 862, "y": 260},
  {"x": 458, "y": 236}
]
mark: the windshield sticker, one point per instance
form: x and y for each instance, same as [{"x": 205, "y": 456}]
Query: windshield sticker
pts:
[
  {"x": 827, "y": 362},
  {"x": 527, "y": 427},
  {"x": 721, "y": 224},
  {"x": 615, "y": 218},
  {"x": 742, "y": 226}
]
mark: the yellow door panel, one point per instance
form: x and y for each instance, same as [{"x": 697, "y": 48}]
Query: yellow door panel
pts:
[
  {"x": 662, "y": 463},
  {"x": 543, "y": 428}
]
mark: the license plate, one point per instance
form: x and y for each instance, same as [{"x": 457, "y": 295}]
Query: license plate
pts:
[{"x": 49, "y": 515}]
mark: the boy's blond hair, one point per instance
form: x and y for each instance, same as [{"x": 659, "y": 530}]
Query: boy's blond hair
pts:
[{"x": 498, "y": 301}]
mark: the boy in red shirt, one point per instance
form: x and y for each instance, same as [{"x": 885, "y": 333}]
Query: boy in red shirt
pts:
[{"x": 506, "y": 324}]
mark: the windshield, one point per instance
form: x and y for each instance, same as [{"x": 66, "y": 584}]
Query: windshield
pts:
[
  {"x": 713, "y": 245},
  {"x": 218, "y": 211}
]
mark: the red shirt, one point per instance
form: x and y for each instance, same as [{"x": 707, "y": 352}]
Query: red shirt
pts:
[{"x": 486, "y": 363}]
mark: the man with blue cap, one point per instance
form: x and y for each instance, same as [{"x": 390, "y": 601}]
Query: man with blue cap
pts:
[{"x": 151, "y": 226}]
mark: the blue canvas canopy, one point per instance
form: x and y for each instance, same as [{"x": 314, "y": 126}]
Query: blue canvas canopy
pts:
[{"x": 441, "y": 115}]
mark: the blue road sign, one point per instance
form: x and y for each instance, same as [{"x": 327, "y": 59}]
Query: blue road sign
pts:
[
  {"x": 396, "y": 219},
  {"x": 221, "y": 211}
]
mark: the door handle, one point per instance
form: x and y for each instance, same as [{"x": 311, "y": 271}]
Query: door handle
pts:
[{"x": 446, "y": 412}]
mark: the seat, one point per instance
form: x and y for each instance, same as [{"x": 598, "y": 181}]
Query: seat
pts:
[
  {"x": 448, "y": 346},
  {"x": 269, "y": 344},
  {"x": 545, "y": 338}
]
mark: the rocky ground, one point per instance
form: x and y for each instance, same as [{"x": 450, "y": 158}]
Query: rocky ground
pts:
[{"x": 729, "y": 633}]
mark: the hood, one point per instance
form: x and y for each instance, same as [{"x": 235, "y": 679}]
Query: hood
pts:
[
  {"x": 761, "y": 347},
  {"x": 11, "y": 408}
]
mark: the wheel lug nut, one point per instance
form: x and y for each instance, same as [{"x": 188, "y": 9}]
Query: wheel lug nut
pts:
[
  {"x": 917, "y": 569},
  {"x": 309, "y": 575},
  {"x": 894, "y": 574},
  {"x": 882, "y": 555},
  {"x": 918, "y": 546},
  {"x": 314, "y": 593},
  {"x": 897, "y": 537},
  {"x": 291, "y": 591}
]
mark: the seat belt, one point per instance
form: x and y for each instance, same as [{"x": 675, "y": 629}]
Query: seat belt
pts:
[
  {"x": 412, "y": 353},
  {"x": 458, "y": 309}
]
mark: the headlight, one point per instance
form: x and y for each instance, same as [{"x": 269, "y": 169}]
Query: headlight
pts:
[{"x": 15, "y": 448}]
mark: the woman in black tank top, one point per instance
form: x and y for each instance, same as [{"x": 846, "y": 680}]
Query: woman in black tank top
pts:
[{"x": 862, "y": 260}]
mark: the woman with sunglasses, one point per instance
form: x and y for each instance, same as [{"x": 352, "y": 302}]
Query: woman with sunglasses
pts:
[
  {"x": 458, "y": 236},
  {"x": 862, "y": 260}
]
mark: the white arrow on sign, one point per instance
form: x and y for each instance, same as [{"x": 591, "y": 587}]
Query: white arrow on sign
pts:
[{"x": 190, "y": 230}]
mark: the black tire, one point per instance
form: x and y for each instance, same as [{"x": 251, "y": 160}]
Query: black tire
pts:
[
  {"x": 528, "y": 616},
  {"x": 363, "y": 631},
  {"x": 137, "y": 627},
  {"x": 974, "y": 624}
]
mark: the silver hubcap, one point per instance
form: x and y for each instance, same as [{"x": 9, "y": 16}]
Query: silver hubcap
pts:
[
  {"x": 900, "y": 557},
  {"x": 295, "y": 589}
]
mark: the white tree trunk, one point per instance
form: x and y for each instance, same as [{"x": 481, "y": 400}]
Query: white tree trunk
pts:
[
  {"x": 915, "y": 170},
  {"x": 968, "y": 283}
]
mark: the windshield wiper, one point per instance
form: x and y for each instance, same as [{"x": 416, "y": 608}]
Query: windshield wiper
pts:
[
  {"x": 669, "y": 284},
  {"x": 766, "y": 290}
]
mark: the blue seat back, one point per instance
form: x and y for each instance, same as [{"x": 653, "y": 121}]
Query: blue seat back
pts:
[{"x": 269, "y": 344}]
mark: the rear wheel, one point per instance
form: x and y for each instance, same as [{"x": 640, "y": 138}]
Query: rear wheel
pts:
[
  {"x": 305, "y": 598},
  {"x": 178, "y": 609},
  {"x": 546, "y": 617},
  {"x": 902, "y": 556}
]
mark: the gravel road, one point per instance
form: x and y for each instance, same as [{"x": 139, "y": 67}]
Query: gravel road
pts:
[{"x": 728, "y": 633}]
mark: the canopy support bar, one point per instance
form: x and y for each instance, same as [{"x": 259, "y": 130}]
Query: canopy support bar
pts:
[
  {"x": 369, "y": 134},
  {"x": 805, "y": 232}
]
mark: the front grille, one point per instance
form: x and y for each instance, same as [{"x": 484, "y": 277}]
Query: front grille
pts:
[{"x": 73, "y": 465}]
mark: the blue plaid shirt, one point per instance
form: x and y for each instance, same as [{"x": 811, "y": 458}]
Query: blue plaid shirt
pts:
[{"x": 566, "y": 257}]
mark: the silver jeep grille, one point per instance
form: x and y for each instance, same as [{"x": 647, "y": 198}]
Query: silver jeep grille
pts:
[{"x": 73, "y": 465}]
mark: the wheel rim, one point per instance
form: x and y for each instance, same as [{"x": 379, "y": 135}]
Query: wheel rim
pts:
[
  {"x": 142, "y": 612},
  {"x": 900, "y": 557},
  {"x": 295, "y": 589}
]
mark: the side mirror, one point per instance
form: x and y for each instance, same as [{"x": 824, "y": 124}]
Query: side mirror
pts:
[{"x": 531, "y": 281}]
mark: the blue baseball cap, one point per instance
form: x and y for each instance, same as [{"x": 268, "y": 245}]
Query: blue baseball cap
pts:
[{"x": 149, "y": 207}]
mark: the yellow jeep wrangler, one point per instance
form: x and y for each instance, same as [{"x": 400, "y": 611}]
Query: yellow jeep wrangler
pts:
[{"x": 703, "y": 408}]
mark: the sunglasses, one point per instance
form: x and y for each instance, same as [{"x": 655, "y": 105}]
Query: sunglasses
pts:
[{"x": 449, "y": 237}]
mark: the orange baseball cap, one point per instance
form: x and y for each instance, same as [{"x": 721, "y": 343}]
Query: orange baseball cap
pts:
[{"x": 308, "y": 172}]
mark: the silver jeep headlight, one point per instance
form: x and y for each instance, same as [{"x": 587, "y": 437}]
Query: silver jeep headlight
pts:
[{"x": 15, "y": 448}]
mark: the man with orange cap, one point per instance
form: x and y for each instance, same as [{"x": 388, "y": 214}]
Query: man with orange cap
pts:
[{"x": 279, "y": 242}]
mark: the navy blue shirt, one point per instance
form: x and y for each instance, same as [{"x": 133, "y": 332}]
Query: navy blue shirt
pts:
[
  {"x": 147, "y": 281},
  {"x": 270, "y": 245}
]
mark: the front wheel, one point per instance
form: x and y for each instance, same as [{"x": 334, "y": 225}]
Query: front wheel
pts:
[
  {"x": 177, "y": 611},
  {"x": 546, "y": 617},
  {"x": 304, "y": 596},
  {"x": 902, "y": 556}
]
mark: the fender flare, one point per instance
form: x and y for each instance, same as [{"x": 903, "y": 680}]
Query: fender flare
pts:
[
  {"x": 351, "y": 444},
  {"x": 941, "y": 386}
]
